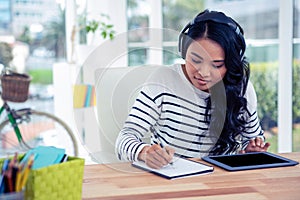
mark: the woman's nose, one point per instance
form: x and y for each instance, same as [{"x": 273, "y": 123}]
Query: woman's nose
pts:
[{"x": 204, "y": 70}]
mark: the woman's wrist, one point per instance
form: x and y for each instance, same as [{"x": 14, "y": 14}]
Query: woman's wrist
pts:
[{"x": 143, "y": 153}]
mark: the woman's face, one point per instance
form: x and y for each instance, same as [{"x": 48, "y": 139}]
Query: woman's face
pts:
[{"x": 204, "y": 63}]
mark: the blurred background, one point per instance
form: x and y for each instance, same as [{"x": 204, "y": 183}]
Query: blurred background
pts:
[{"x": 40, "y": 36}]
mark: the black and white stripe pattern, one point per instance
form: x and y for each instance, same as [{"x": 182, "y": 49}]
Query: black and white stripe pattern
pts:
[{"x": 174, "y": 111}]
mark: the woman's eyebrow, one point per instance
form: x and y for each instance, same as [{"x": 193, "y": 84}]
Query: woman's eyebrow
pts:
[
  {"x": 218, "y": 60},
  {"x": 198, "y": 56}
]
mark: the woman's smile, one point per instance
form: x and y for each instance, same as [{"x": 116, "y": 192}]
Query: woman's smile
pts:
[{"x": 201, "y": 81}]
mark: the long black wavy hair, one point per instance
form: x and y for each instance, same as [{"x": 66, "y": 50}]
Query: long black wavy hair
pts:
[{"x": 226, "y": 101}]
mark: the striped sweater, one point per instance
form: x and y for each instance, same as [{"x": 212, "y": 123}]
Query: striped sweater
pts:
[{"x": 172, "y": 110}]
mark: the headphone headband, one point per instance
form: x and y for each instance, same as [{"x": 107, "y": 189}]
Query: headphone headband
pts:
[
  {"x": 218, "y": 17},
  {"x": 204, "y": 16}
]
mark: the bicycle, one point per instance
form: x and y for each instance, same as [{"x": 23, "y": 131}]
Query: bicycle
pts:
[{"x": 27, "y": 128}]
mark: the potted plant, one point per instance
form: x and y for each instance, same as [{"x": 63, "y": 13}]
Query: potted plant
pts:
[
  {"x": 106, "y": 29},
  {"x": 87, "y": 29}
]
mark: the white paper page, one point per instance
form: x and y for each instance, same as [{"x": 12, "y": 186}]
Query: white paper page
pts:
[{"x": 181, "y": 167}]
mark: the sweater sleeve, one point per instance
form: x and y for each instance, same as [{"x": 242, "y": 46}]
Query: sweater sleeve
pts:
[
  {"x": 143, "y": 115},
  {"x": 252, "y": 128}
]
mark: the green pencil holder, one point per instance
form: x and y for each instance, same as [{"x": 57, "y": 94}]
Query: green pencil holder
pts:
[{"x": 58, "y": 181}]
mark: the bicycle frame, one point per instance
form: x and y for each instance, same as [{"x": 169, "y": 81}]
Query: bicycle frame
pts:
[{"x": 12, "y": 120}]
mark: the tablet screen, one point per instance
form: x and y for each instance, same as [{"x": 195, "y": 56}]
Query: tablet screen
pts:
[
  {"x": 253, "y": 160},
  {"x": 248, "y": 159}
]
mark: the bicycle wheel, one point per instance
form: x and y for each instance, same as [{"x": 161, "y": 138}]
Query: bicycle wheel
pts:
[{"x": 37, "y": 129}]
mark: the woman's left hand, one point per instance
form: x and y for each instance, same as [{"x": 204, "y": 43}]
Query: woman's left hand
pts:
[{"x": 256, "y": 145}]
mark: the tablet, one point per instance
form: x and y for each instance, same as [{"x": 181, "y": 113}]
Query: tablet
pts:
[{"x": 253, "y": 160}]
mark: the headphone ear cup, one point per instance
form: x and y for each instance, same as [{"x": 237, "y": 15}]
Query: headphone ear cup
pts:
[
  {"x": 184, "y": 42},
  {"x": 180, "y": 45}
]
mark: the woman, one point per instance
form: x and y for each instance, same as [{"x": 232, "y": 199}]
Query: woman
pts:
[{"x": 206, "y": 106}]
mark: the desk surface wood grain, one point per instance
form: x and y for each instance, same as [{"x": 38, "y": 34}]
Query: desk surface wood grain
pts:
[{"x": 122, "y": 181}]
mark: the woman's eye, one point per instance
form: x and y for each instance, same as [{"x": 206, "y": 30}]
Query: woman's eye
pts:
[
  {"x": 196, "y": 61},
  {"x": 218, "y": 66}
]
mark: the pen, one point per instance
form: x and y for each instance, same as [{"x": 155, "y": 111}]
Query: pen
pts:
[
  {"x": 1, "y": 183},
  {"x": 15, "y": 169},
  {"x": 161, "y": 145},
  {"x": 25, "y": 172},
  {"x": 19, "y": 176},
  {"x": 18, "y": 180},
  {"x": 2, "y": 178},
  {"x": 8, "y": 178}
]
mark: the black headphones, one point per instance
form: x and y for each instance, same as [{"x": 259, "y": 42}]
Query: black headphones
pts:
[{"x": 218, "y": 17}]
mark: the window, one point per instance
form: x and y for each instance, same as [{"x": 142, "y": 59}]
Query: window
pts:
[
  {"x": 296, "y": 77},
  {"x": 262, "y": 53},
  {"x": 262, "y": 37},
  {"x": 176, "y": 14},
  {"x": 138, "y": 34},
  {"x": 37, "y": 37},
  {"x": 5, "y": 17}
]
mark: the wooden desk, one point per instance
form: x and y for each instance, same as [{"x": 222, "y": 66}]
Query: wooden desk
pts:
[{"x": 122, "y": 181}]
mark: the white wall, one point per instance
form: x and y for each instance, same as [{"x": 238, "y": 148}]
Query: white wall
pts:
[{"x": 83, "y": 121}]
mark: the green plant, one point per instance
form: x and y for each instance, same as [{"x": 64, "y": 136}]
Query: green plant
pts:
[
  {"x": 92, "y": 24},
  {"x": 264, "y": 77},
  {"x": 296, "y": 91},
  {"x": 106, "y": 30},
  {"x": 296, "y": 141}
]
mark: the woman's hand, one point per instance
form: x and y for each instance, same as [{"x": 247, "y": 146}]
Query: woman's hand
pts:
[
  {"x": 155, "y": 156},
  {"x": 256, "y": 145}
]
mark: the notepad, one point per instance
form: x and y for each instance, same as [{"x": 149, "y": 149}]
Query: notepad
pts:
[
  {"x": 181, "y": 168},
  {"x": 45, "y": 156}
]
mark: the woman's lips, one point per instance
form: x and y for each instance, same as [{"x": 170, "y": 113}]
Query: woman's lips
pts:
[{"x": 202, "y": 81}]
